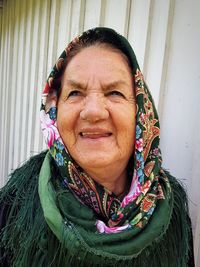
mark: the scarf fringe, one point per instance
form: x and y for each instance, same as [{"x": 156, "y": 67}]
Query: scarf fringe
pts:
[{"x": 26, "y": 239}]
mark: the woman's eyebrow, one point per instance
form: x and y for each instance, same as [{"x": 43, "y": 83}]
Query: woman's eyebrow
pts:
[
  {"x": 105, "y": 86},
  {"x": 74, "y": 83},
  {"x": 114, "y": 84}
]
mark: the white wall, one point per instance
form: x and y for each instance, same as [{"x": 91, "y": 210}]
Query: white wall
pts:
[
  {"x": 180, "y": 109},
  {"x": 165, "y": 35}
]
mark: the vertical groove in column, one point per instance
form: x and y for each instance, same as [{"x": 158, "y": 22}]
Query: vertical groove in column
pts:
[
  {"x": 45, "y": 71},
  {"x": 70, "y": 22},
  {"x": 16, "y": 86},
  {"x": 53, "y": 33},
  {"x": 102, "y": 13},
  {"x": 13, "y": 81},
  {"x": 128, "y": 16},
  {"x": 34, "y": 51},
  {"x": 43, "y": 144},
  {"x": 4, "y": 102},
  {"x": 12, "y": 99},
  {"x": 82, "y": 16},
  {"x": 147, "y": 46},
  {"x": 20, "y": 76},
  {"x": 35, "y": 121},
  {"x": 2, "y": 58},
  {"x": 8, "y": 75},
  {"x": 166, "y": 58},
  {"x": 27, "y": 71}
]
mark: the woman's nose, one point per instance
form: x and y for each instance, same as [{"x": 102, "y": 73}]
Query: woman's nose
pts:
[{"x": 94, "y": 108}]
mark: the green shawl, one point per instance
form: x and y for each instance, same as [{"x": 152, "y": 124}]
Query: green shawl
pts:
[{"x": 29, "y": 236}]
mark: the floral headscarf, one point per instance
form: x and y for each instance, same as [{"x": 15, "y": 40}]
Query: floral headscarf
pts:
[{"x": 149, "y": 184}]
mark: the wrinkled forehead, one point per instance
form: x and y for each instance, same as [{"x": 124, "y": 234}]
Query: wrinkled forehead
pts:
[
  {"x": 98, "y": 36},
  {"x": 100, "y": 61},
  {"x": 98, "y": 47}
]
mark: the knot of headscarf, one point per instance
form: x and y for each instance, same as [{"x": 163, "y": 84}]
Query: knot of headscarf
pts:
[{"x": 149, "y": 184}]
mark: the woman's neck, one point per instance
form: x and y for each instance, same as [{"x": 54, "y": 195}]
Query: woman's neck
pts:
[{"x": 114, "y": 181}]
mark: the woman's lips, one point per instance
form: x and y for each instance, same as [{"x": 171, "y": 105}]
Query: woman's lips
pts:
[{"x": 94, "y": 135}]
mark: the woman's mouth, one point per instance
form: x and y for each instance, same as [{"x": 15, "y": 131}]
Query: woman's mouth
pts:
[{"x": 94, "y": 135}]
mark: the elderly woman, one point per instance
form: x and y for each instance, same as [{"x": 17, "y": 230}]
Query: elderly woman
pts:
[{"x": 99, "y": 196}]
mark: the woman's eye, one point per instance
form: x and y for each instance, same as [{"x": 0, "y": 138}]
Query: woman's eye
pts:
[
  {"x": 115, "y": 93},
  {"x": 74, "y": 93}
]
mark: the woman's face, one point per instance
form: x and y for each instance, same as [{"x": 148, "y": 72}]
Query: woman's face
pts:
[{"x": 96, "y": 108}]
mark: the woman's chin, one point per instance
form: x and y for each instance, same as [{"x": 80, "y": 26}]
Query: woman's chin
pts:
[{"x": 96, "y": 159}]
